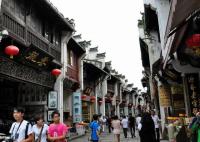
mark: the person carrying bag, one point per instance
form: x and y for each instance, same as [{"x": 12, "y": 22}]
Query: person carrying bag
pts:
[
  {"x": 95, "y": 127},
  {"x": 40, "y": 129},
  {"x": 40, "y": 135}
]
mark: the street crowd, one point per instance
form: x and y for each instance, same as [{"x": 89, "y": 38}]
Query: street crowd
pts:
[
  {"x": 24, "y": 131},
  {"x": 146, "y": 124}
]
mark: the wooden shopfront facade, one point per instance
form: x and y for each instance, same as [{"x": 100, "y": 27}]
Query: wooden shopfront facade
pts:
[{"x": 26, "y": 79}]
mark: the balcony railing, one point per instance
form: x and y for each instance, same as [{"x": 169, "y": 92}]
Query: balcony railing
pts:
[
  {"x": 13, "y": 26},
  {"x": 28, "y": 36},
  {"x": 56, "y": 53},
  {"x": 35, "y": 40},
  {"x": 72, "y": 73}
]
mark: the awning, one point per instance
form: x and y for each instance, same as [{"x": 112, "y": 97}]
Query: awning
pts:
[
  {"x": 144, "y": 53},
  {"x": 150, "y": 18},
  {"x": 172, "y": 43},
  {"x": 113, "y": 79},
  {"x": 181, "y": 11},
  {"x": 92, "y": 72},
  {"x": 75, "y": 46},
  {"x": 48, "y": 8}
]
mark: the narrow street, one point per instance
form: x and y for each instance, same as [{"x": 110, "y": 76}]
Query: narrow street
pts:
[
  {"x": 81, "y": 65},
  {"x": 106, "y": 137}
]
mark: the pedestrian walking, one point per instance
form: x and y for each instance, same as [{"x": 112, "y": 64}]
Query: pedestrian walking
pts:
[
  {"x": 156, "y": 124},
  {"x": 124, "y": 123},
  {"x": 21, "y": 130},
  {"x": 181, "y": 130},
  {"x": 57, "y": 131},
  {"x": 40, "y": 129},
  {"x": 109, "y": 120},
  {"x": 147, "y": 129},
  {"x": 95, "y": 129},
  {"x": 132, "y": 125},
  {"x": 116, "y": 128},
  {"x": 104, "y": 120},
  {"x": 194, "y": 131},
  {"x": 138, "y": 120},
  {"x": 100, "y": 121}
]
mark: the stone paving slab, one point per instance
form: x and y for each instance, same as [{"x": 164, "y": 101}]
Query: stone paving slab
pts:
[{"x": 106, "y": 137}]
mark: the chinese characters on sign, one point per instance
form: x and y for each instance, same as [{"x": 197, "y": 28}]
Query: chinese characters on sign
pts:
[
  {"x": 52, "y": 100},
  {"x": 193, "y": 90},
  {"x": 164, "y": 95},
  {"x": 77, "y": 111}
]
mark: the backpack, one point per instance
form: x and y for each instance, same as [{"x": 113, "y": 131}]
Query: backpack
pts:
[{"x": 26, "y": 130}]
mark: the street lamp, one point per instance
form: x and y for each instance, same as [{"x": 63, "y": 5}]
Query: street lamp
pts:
[{"x": 3, "y": 34}]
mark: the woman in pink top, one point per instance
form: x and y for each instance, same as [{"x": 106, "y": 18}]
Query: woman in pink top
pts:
[
  {"x": 57, "y": 131},
  {"x": 116, "y": 128}
]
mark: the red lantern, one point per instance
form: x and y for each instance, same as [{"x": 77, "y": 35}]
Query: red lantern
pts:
[
  {"x": 56, "y": 72},
  {"x": 11, "y": 50},
  {"x": 92, "y": 98},
  {"x": 83, "y": 97},
  {"x": 193, "y": 41}
]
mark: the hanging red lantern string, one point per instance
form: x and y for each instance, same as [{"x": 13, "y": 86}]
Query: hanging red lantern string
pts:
[
  {"x": 12, "y": 50},
  {"x": 56, "y": 72},
  {"x": 83, "y": 97},
  {"x": 193, "y": 41},
  {"x": 92, "y": 99}
]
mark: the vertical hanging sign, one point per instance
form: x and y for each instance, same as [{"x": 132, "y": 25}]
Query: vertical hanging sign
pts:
[
  {"x": 77, "y": 107},
  {"x": 164, "y": 96},
  {"x": 193, "y": 90}
]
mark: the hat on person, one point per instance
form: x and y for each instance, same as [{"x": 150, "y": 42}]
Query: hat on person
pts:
[{"x": 19, "y": 109}]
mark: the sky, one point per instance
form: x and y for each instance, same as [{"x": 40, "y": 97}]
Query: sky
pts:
[{"x": 112, "y": 26}]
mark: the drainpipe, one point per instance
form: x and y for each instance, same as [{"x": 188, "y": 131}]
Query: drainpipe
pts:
[
  {"x": 81, "y": 71},
  {"x": 103, "y": 98},
  {"x": 81, "y": 79},
  {"x": 96, "y": 101},
  {"x": 115, "y": 98},
  {"x": 120, "y": 93},
  {"x": 58, "y": 86}
]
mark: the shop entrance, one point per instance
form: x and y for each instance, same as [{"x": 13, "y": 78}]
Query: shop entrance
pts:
[
  {"x": 8, "y": 95},
  {"x": 15, "y": 93}
]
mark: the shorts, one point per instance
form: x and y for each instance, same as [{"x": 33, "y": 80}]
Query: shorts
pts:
[{"x": 116, "y": 131}]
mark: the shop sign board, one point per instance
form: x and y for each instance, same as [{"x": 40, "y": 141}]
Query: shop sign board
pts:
[
  {"x": 177, "y": 89},
  {"x": 53, "y": 100},
  {"x": 164, "y": 95},
  {"x": 77, "y": 107},
  {"x": 194, "y": 91}
]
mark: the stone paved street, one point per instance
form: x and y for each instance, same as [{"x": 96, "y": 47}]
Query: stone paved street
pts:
[{"x": 106, "y": 137}]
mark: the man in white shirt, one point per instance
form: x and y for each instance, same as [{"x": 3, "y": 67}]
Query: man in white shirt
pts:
[
  {"x": 124, "y": 123},
  {"x": 21, "y": 130},
  {"x": 138, "y": 119},
  {"x": 156, "y": 123},
  {"x": 103, "y": 122}
]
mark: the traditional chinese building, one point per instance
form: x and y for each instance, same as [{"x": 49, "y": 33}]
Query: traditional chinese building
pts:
[
  {"x": 72, "y": 85},
  {"x": 95, "y": 84},
  {"x": 170, "y": 54},
  {"x": 28, "y": 54}
]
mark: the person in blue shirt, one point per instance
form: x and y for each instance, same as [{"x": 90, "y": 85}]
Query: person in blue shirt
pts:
[{"x": 95, "y": 129}]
